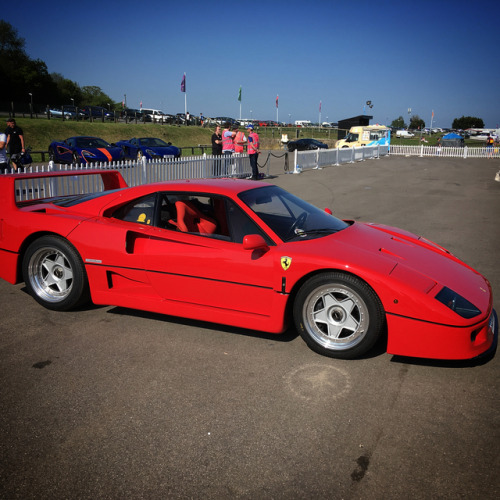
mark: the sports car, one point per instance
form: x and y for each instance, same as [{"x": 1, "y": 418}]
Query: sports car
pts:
[
  {"x": 149, "y": 148},
  {"x": 242, "y": 253},
  {"x": 82, "y": 149},
  {"x": 305, "y": 145}
]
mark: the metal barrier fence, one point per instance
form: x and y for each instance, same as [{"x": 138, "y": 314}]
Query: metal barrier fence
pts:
[
  {"x": 447, "y": 152},
  {"x": 134, "y": 173},
  {"x": 325, "y": 157}
]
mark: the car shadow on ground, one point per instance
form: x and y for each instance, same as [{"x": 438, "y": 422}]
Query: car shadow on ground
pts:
[{"x": 288, "y": 336}]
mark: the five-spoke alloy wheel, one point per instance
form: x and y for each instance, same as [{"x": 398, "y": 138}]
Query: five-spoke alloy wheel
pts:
[
  {"x": 54, "y": 274},
  {"x": 338, "y": 315}
]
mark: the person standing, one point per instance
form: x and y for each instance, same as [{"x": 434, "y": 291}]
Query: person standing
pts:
[
  {"x": 217, "y": 150},
  {"x": 15, "y": 140},
  {"x": 239, "y": 141},
  {"x": 489, "y": 145},
  {"x": 253, "y": 151},
  {"x": 4, "y": 164},
  {"x": 227, "y": 146}
]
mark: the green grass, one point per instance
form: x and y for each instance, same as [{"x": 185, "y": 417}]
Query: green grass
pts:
[{"x": 39, "y": 133}]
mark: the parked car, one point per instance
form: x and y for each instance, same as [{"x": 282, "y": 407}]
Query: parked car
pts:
[
  {"x": 404, "y": 133},
  {"x": 148, "y": 147},
  {"x": 83, "y": 149},
  {"x": 245, "y": 254},
  {"x": 222, "y": 120},
  {"x": 305, "y": 144},
  {"x": 58, "y": 113},
  {"x": 74, "y": 110},
  {"x": 98, "y": 112},
  {"x": 131, "y": 114}
]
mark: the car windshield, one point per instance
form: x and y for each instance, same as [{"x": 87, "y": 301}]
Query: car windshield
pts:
[
  {"x": 152, "y": 142},
  {"x": 91, "y": 142},
  {"x": 290, "y": 217},
  {"x": 351, "y": 137}
]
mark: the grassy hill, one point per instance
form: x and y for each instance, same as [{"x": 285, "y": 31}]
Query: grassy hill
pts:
[{"x": 39, "y": 133}]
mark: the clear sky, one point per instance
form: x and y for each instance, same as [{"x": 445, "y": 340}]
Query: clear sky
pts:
[{"x": 427, "y": 55}]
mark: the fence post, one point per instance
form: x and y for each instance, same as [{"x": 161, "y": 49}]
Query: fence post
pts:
[
  {"x": 296, "y": 168},
  {"x": 465, "y": 151}
]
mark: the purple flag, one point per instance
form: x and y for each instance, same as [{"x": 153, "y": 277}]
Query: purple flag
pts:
[{"x": 183, "y": 83}]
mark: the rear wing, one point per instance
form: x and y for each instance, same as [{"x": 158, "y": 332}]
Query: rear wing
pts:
[{"x": 15, "y": 188}]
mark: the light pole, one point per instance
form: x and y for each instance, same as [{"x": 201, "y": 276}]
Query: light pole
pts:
[
  {"x": 409, "y": 114},
  {"x": 31, "y": 104}
]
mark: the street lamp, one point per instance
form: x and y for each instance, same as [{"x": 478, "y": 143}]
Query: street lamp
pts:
[{"x": 31, "y": 104}]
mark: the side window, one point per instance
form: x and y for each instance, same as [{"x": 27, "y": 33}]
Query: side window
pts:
[
  {"x": 240, "y": 224},
  {"x": 141, "y": 211}
]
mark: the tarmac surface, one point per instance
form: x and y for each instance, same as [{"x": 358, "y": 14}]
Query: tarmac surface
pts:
[{"x": 107, "y": 402}]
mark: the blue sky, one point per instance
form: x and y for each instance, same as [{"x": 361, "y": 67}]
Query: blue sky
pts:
[{"x": 424, "y": 55}]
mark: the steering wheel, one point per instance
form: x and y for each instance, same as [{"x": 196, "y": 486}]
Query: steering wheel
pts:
[{"x": 299, "y": 221}]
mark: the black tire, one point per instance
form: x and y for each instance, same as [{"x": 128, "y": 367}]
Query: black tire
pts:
[
  {"x": 54, "y": 274},
  {"x": 52, "y": 154},
  {"x": 76, "y": 158},
  {"x": 338, "y": 315}
]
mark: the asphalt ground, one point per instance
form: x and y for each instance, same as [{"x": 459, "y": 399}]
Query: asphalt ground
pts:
[{"x": 114, "y": 403}]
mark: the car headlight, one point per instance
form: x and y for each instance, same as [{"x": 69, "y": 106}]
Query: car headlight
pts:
[
  {"x": 457, "y": 303},
  {"x": 150, "y": 152},
  {"x": 87, "y": 154}
]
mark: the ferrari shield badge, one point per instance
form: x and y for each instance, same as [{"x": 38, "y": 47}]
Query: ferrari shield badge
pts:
[{"x": 286, "y": 262}]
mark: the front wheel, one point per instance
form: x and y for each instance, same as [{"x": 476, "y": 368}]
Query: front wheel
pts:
[
  {"x": 54, "y": 274},
  {"x": 139, "y": 155},
  {"x": 338, "y": 315}
]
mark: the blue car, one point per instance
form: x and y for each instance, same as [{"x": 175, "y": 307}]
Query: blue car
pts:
[
  {"x": 149, "y": 148},
  {"x": 83, "y": 149}
]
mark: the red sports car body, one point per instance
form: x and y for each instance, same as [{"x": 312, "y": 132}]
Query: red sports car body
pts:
[{"x": 246, "y": 254}]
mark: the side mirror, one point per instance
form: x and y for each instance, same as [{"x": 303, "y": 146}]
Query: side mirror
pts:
[{"x": 254, "y": 242}]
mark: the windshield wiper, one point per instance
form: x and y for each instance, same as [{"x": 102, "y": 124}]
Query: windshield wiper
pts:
[{"x": 303, "y": 233}]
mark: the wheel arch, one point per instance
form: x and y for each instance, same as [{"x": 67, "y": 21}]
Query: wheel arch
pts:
[
  {"x": 27, "y": 242},
  {"x": 298, "y": 284}
]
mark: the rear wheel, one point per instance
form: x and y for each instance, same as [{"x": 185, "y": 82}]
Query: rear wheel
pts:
[
  {"x": 338, "y": 315},
  {"x": 54, "y": 274}
]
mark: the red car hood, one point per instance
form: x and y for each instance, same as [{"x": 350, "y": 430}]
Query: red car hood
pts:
[{"x": 415, "y": 261}]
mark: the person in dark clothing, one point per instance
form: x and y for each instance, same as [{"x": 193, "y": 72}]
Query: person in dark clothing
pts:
[
  {"x": 217, "y": 150},
  {"x": 15, "y": 140}
]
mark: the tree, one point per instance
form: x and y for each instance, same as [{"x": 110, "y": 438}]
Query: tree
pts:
[
  {"x": 94, "y": 96},
  {"x": 416, "y": 123},
  {"x": 398, "y": 123},
  {"x": 68, "y": 90},
  {"x": 467, "y": 122}
]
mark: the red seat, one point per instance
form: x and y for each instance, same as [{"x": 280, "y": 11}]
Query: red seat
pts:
[{"x": 191, "y": 220}]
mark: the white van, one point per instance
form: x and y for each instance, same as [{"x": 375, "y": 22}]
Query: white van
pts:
[
  {"x": 153, "y": 115},
  {"x": 368, "y": 135}
]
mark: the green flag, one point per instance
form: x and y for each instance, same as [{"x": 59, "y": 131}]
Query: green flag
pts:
[{"x": 239, "y": 94}]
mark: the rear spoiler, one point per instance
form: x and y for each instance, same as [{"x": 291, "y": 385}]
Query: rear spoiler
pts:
[{"x": 39, "y": 185}]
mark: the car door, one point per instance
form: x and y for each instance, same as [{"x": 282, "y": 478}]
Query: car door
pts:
[{"x": 212, "y": 276}]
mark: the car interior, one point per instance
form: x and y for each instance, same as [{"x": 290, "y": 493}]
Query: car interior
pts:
[{"x": 212, "y": 216}]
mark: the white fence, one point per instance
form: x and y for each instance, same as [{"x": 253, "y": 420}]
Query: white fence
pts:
[
  {"x": 446, "y": 152},
  {"x": 208, "y": 166},
  {"x": 325, "y": 157}
]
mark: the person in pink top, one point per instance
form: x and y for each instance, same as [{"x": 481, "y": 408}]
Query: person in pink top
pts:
[{"x": 239, "y": 141}]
